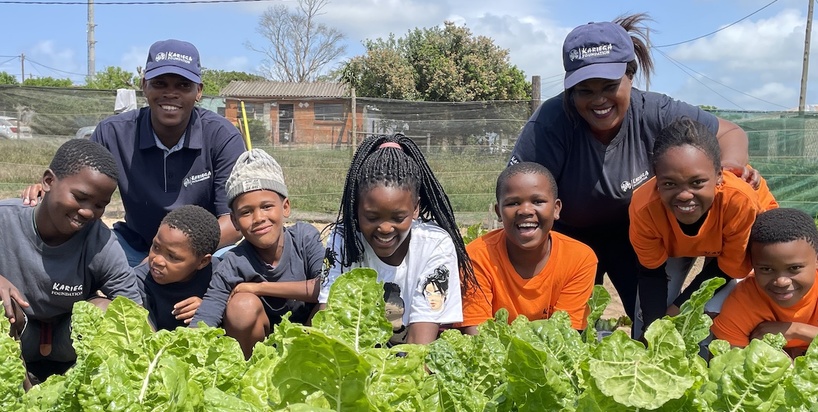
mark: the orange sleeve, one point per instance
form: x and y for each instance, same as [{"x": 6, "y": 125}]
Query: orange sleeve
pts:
[
  {"x": 576, "y": 291},
  {"x": 644, "y": 235},
  {"x": 765, "y": 198},
  {"x": 477, "y": 303},
  {"x": 738, "y": 317},
  {"x": 739, "y": 212}
]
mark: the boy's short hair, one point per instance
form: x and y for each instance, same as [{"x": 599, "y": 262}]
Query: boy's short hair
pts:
[
  {"x": 255, "y": 170},
  {"x": 524, "y": 168},
  {"x": 784, "y": 225},
  {"x": 76, "y": 154},
  {"x": 200, "y": 226}
]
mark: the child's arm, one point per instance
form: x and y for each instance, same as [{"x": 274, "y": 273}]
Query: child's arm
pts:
[
  {"x": 9, "y": 292},
  {"x": 790, "y": 330},
  {"x": 305, "y": 290}
]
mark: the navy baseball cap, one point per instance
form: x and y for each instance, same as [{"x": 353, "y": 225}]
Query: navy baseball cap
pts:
[
  {"x": 176, "y": 57},
  {"x": 596, "y": 51}
]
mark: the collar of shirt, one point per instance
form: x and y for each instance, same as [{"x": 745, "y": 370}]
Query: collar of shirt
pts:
[{"x": 179, "y": 145}]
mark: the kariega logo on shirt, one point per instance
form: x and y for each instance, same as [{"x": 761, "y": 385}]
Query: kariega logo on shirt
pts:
[
  {"x": 60, "y": 289},
  {"x": 635, "y": 182},
  {"x": 201, "y": 177}
]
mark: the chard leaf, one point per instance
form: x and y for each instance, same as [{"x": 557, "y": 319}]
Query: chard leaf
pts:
[
  {"x": 745, "y": 379},
  {"x": 396, "y": 375},
  {"x": 599, "y": 300},
  {"x": 543, "y": 363},
  {"x": 637, "y": 377},
  {"x": 691, "y": 322},
  {"x": 214, "y": 359},
  {"x": 450, "y": 361},
  {"x": 86, "y": 319},
  {"x": 355, "y": 312},
  {"x": 324, "y": 365},
  {"x": 256, "y": 384},
  {"x": 802, "y": 387},
  {"x": 12, "y": 370},
  {"x": 216, "y": 400},
  {"x": 475, "y": 361}
]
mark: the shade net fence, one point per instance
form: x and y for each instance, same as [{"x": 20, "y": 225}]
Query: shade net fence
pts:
[{"x": 467, "y": 144}]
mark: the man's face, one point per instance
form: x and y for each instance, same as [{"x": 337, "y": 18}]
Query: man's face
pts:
[{"x": 171, "y": 99}]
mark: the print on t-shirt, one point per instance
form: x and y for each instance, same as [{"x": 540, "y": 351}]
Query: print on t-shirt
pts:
[
  {"x": 394, "y": 311},
  {"x": 436, "y": 287}
]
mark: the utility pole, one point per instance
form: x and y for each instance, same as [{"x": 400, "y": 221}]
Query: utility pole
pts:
[
  {"x": 91, "y": 42},
  {"x": 22, "y": 68},
  {"x": 805, "y": 68}
]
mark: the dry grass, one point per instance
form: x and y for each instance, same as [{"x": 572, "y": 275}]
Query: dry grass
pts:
[{"x": 315, "y": 177}]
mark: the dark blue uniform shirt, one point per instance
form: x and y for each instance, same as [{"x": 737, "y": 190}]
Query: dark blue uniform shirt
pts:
[{"x": 152, "y": 185}]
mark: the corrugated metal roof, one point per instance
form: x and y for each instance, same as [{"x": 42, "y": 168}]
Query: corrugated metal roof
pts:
[{"x": 283, "y": 89}]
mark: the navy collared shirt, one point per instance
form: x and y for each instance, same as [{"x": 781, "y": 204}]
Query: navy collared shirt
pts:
[{"x": 151, "y": 184}]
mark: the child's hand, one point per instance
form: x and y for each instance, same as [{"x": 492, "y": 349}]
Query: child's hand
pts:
[
  {"x": 185, "y": 309},
  {"x": 246, "y": 287},
  {"x": 7, "y": 293},
  {"x": 763, "y": 328}
]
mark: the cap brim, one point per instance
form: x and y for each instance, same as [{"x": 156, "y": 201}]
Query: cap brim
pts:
[
  {"x": 187, "y": 74},
  {"x": 610, "y": 71}
]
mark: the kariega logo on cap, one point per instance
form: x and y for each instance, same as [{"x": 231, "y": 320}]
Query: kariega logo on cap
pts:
[
  {"x": 173, "y": 56},
  {"x": 586, "y": 52}
]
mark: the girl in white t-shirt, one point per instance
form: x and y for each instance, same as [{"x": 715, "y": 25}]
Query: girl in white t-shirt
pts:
[{"x": 396, "y": 218}]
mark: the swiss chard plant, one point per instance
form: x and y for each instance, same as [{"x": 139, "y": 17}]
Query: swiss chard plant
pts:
[{"x": 342, "y": 363}]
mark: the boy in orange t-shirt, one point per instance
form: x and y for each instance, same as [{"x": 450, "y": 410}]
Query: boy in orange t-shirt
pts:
[
  {"x": 779, "y": 297},
  {"x": 524, "y": 267}
]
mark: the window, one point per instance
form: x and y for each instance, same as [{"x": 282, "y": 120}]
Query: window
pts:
[{"x": 333, "y": 112}]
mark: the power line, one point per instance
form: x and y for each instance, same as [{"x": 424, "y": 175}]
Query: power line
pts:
[
  {"x": 126, "y": 3},
  {"x": 13, "y": 58},
  {"x": 678, "y": 63},
  {"x": 716, "y": 31},
  {"x": 701, "y": 82},
  {"x": 51, "y": 68}
]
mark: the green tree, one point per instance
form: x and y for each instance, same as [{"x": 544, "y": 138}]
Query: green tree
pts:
[
  {"x": 47, "y": 81},
  {"x": 6, "y": 78},
  {"x": 215, "y": 80},
  {"x": 113, "y": 78},
  {"x": 447, "y": 64}
]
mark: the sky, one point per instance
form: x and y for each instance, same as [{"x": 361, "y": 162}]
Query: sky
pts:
[{"x": 755, "y": 64}]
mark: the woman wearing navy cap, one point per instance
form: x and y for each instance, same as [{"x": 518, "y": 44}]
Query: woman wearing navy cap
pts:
[{"x": 597, "y": 139}]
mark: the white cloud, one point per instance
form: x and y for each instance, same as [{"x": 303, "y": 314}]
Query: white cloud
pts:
[
  {"x": 47, "y": 59},
  {"x": 761, "y": 58}
]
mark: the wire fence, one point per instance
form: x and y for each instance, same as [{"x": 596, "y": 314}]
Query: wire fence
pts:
[{"x": 467, "y": 144}]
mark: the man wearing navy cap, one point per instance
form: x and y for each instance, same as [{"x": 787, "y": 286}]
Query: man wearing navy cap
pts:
[{"x": 170, "y": 153}]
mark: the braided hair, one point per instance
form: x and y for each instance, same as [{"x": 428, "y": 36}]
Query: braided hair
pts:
[{"x": 399, "y": 164}]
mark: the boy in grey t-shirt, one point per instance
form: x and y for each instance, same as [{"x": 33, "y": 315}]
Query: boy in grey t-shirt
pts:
[
  {"x": 274, "y": 270},
  {"x": 60, "y": 253}
]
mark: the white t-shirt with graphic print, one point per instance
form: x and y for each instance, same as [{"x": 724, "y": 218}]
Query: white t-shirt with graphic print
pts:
[{"x": 425, "y": 287}]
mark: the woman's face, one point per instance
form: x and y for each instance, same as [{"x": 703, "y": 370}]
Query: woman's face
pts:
[{"x": 603, "y": 103}]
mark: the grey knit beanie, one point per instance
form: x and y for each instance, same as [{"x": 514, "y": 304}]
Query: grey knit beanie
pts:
[{"x": 255, "y": 170}]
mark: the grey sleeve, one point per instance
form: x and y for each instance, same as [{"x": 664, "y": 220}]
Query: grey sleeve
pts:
[
  {"x": 313, "y": 249},
  {"x": 114, "y": 275},
  {"x": 141, "y": 272},
  {"x": 225, "y": 277},
  {"x": 544, "y": 138},
  {"x": 671, "y": 110}
]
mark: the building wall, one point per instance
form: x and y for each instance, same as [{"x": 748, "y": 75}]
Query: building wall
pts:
[{"x": 331, "y": 128}]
